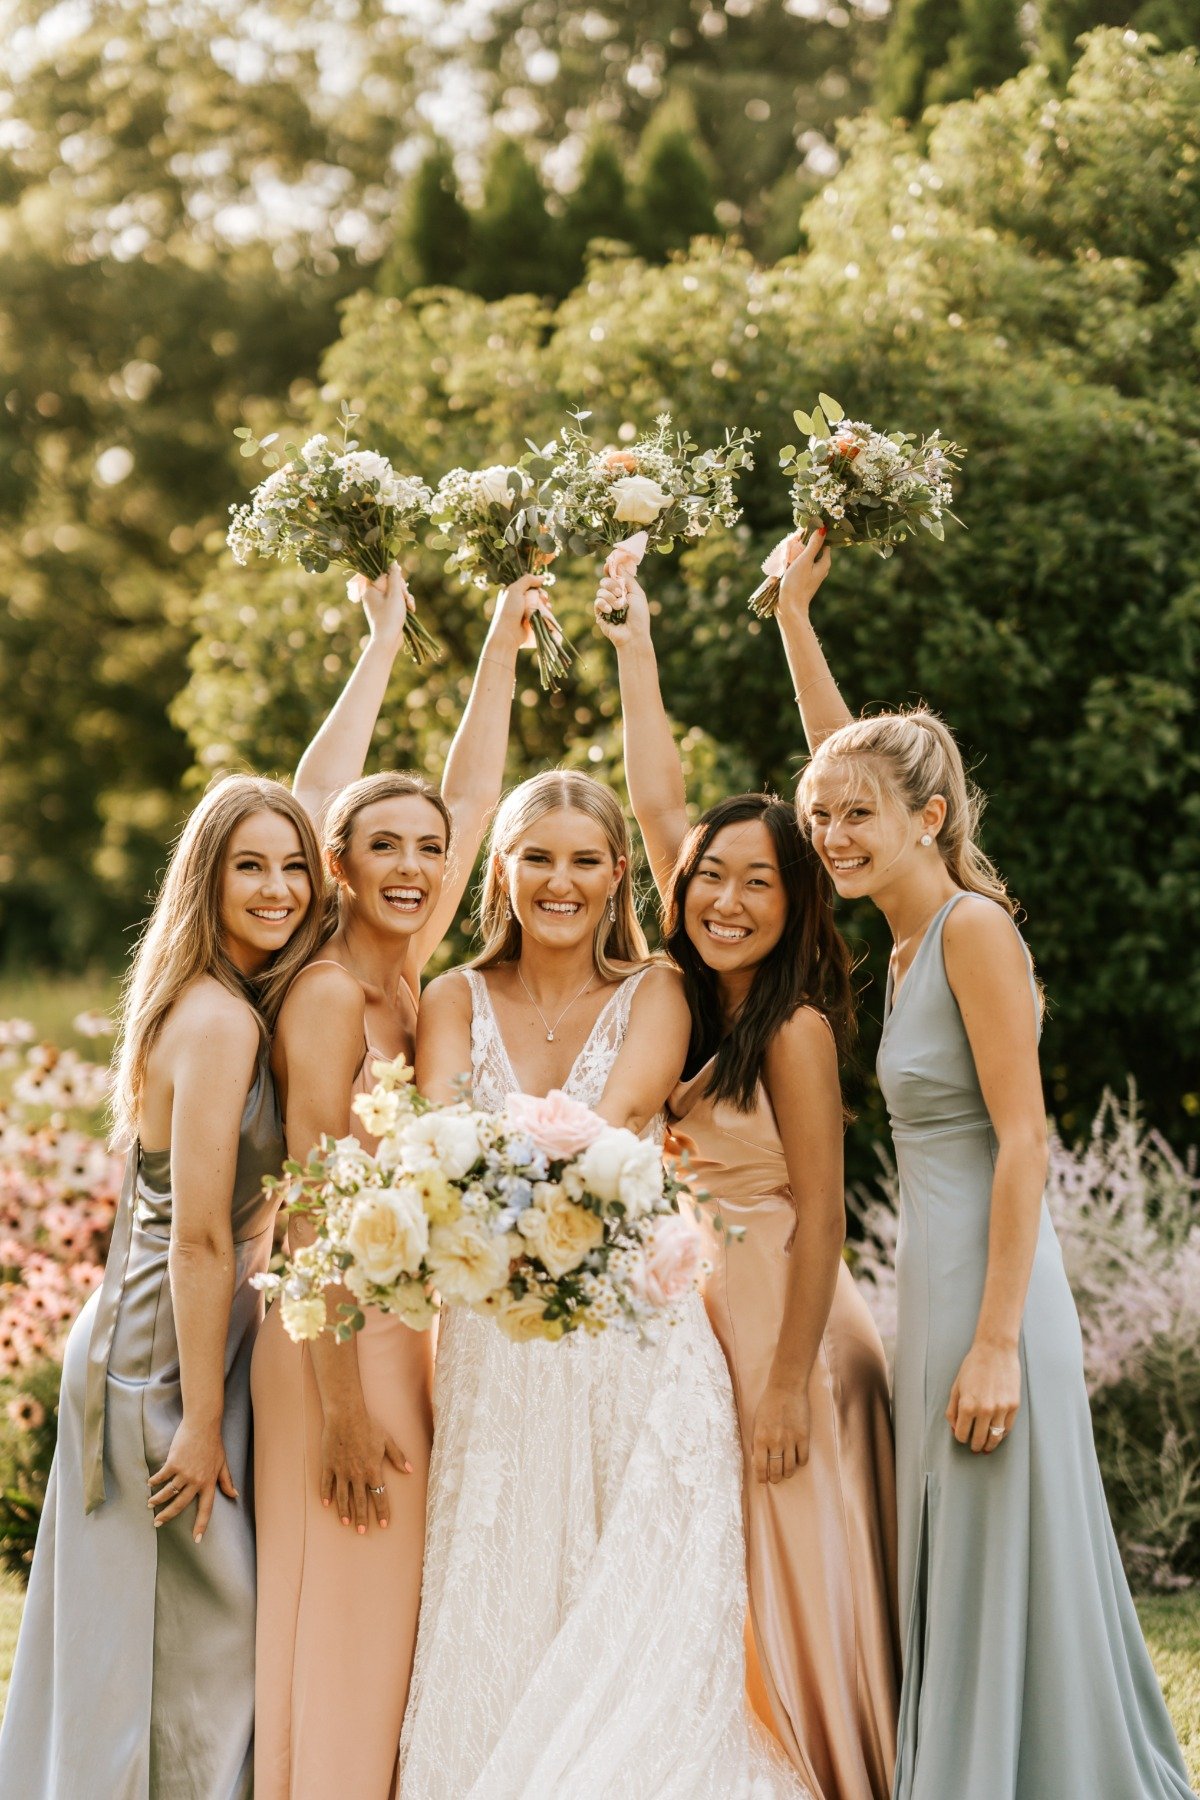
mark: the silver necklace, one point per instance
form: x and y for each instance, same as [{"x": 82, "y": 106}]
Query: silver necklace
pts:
[{"x": 548, "y": 1027}]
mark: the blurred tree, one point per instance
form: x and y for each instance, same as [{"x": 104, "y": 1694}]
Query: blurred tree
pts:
[
  {"x": 183, "y": 203},
  {"x": 674, "y": 190},
  {"x": 598, "y": 207},
  {"x": 433, "y": 247},
  {"x": 515, "y": 248},
  {"x": 939, "y": 50},
  {"x": 1028, "y": 280}
]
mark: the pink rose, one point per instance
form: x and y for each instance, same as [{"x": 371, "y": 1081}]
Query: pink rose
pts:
[
  {"x": 558, "y": 1125},
  {"x": 673, "y": 1260}
]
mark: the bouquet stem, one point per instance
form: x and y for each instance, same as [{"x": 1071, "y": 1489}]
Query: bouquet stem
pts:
[
  {"x": 418, "y": 643},
  {"x": 764, "y": 601},
  {"x": 554, "y": 653}
]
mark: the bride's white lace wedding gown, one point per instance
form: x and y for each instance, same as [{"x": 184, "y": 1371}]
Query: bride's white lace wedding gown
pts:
[{"x": 584, "y": 1597}]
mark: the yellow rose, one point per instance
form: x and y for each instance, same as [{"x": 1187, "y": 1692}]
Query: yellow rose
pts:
[
  {"x": 524, "y": 1320},
  {"x": 466, "y": 1262},
  {"x": 439, "y": 1196},
  {"x": 388, "y": 1233},
  {"x": 564, "y": 1232}
]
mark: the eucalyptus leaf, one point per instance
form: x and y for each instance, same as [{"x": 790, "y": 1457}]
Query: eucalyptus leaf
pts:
[
  {"x": 833, "y": 412},
  {"x": 804, "y": 423}
]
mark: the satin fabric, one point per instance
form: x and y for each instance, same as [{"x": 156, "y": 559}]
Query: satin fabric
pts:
[
  {"x": 821, "y": 1546},
  {"x": 337, "y": 1617},
  {"x": 134, "y": 1673},
  {"x": 1025, "y": 1673}
]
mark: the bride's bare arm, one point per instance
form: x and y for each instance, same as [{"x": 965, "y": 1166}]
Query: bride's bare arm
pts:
[
  {"x": 822, "y": 709},
  {"x": 653, "y": 771},
  {"x": 443, "y": 1054},
  {"x": 650, "y": 1061}
]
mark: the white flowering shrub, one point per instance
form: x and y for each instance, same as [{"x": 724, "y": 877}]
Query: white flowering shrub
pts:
[{"x": 1127, "y": 1212}]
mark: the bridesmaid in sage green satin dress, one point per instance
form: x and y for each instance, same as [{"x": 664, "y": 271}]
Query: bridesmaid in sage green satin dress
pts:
[
  {"x": 134, "y": 1672},
  {"x": 1025, "y": 1673}
]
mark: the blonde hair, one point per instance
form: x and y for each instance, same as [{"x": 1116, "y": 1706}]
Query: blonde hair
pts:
[
  {"x": 620, "y": 943},
  {"x": 908, "y": 757},
  {"x": 182, "y": 940},
  {"x": 339, "y": 820}
]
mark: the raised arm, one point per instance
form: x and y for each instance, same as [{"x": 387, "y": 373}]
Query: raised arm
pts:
[
  {"x": 653, "y": 771},
  {"x": 651, "y": 1059},
  {"x": 474, "y": 772},
  {"x": 338, "y": 753},
  {"x": 801, "y": 1076},
  {"x": 319, "y": 1046},
  {"x": 216, "y": 1040},
  {"x": 822, "y": 709},
  {"x": 988, "y": 974},
  {"x": 443, "y": 1054}
]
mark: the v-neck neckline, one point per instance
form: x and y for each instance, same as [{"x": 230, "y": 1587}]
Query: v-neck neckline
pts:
[
  {"x": 893, "y": 998},
  {"x": 585, "y": 1046}
]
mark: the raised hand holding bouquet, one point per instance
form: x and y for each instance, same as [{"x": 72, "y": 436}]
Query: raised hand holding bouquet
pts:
[
  {"x": 860, "y": 487},
  {"x": 543, "y": 1218},
  {"x": 348, "y": 507},
  {"x": 663, "y": 485},
  {"x": 498, "y": 521}
]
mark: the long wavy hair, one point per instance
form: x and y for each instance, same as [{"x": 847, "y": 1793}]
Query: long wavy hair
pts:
[
  {"x": 183, "y": 940},
  {"x": 907, "y": 758},
  {"x": 809, "y": 966},
  {"x": 619, "y": 945},
  {"x": 339, "y": 824}
]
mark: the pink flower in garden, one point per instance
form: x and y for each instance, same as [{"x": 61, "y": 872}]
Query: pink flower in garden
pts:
[
  {"x": 26, "y": 1413},
  {"x": 673, "y": 1260},
  {"x": 86, "y": 1276},
  {"x": 559, "y": 1126}
]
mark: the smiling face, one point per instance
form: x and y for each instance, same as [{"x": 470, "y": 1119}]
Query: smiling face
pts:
[
  {"x": 866, "y": 839},
  {"x": 735, "y": 908},
  {"x": 265, "y": 889},
  {"x": 395, "y": 862},
  {"x": 560, "y": 876}
]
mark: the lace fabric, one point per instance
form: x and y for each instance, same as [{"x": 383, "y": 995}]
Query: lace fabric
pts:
[{"x": 584, "y": 1590}]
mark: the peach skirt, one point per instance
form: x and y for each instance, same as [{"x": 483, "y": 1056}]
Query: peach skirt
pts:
[{"x": 337, "y": 1613}]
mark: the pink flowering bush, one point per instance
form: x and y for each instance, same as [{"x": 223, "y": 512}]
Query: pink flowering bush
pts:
[
  {"x": 1127, "y": 1212},
  {"x": 59, "y": 1185}
]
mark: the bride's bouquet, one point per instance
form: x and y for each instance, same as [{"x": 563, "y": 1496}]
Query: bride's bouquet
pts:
[
  {"x": 499, "y": 521},
  {"x": 349, "y": 508},
  {"x": 627, "y": 501},
  {"x": 862, "y": 486},
  {"x": 542, "y": 1217}
]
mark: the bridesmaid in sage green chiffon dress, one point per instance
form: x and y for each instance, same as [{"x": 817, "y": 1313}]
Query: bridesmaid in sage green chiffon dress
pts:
[{"x": 134, "y": 1672}]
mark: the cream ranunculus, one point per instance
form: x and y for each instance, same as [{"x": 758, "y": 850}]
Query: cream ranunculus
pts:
[
  {"x": 388, "y": 1233},
  {"x": 447, "y": 1140},
  {"x": 466, "y": 1260},
  {"x": 303, "y": 1315},
  {"x": 621, "y": 1166},
  {"x": 496, "y": 485},
  {"x": 637, "y": 500},
  {"x": 565, "y": 1233}
]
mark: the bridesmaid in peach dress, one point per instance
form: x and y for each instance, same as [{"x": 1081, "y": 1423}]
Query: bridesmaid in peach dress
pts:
[
  {"x": 343, "y": 1431},
  {"x": 748, "y": 918}
]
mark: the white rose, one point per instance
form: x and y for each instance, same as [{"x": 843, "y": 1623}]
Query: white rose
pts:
[
  {"x": 637, "y": 499},
  {"x": 621, "y": 1166},
  {"x": 388, "y": 1233},
  {"x": 494, "y": 485},
  {"x": 303, "y": 1315},
  {"x": 449, "y": 1140},
  {"x": 466, "y": 1261}
]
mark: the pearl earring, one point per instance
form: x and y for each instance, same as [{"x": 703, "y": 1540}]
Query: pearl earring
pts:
[
  {"x": 612, "y": 909},
  {"x": 507, "y": 913},
  {"x": 926, "y": 839}
]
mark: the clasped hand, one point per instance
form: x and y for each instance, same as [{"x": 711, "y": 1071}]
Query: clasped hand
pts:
[
  {"x": 195, "y": 1468},
  {"x": 985, "y": 1397},
  {"x": 354, "y": 1450}
]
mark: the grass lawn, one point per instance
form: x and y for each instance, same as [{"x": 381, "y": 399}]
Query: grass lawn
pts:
[
  {"x": 1171, "y": 1623},
  {"x": 50, "y": 1002}
]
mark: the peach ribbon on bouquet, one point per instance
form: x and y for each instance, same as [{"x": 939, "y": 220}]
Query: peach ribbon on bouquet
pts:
[
  {"x": 621, "y": 567},
  {"x": 765, "y": 597}
]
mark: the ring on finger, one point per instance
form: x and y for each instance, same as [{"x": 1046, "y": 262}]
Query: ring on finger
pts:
[
  {"x": 376, "y": 1490},
  {"x": 996, "y": 1431}
]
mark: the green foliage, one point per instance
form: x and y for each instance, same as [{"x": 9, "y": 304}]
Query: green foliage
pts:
[
  {"x": 433, "y": 248},
  {"x": 513, "y": 248},
  {"x": 1028, "y": 282},
  {"x": 675, "y": 190},
  {"x": 598, "y": 207},
  {"x": 26, "y": 1452}
]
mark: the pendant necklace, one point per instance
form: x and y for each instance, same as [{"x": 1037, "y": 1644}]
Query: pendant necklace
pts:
[{"x": 547, "y": 1026}]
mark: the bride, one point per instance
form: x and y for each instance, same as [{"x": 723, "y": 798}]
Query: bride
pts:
[{"x": 583, "y": 1602}]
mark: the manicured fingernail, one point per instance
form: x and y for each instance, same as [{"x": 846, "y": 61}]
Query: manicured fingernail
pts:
[
  {"x": 324, "y": 1503},
  {"x": 824, "y": 530},
  {"x": 362, "y": 1531},
  {"x": 197, "y": 1537},
  {"x": 158, "y": 1523},
  {"x": 345, "y": 1521},
  {"x": 383, "y": 1524},
  {"x": 408, "y": 1468}
]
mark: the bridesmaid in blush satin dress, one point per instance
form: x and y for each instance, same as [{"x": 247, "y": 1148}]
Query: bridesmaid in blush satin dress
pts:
[
  {"x": 343, "y": 1431},
  {"x": 748, "y": 919}
]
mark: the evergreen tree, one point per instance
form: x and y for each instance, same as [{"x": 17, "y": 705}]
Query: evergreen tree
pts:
[
  {"x": 918, "y": 46},
  {"x": 433, "y": 246},
  {"x": 599, "y": 207},
  {"x": 675, "y": 190},
  {"x": 984, "y": 52},
  {"x": 514, "y": 248}
]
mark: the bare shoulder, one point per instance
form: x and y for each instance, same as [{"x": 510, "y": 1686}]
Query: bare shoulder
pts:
[
  {"x": 659, "y": 988},
  {"x": 210, "y": 1027},
  {"x": 980, "y": 932},
  {"x": 447, "y": 996},
  {"x": 322, "y": 992},
  {"x": 803, "y": 1041}
]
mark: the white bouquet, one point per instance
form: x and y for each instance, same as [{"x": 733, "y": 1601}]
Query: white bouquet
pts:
[
  {"x": 542, "y": 1218},
  {"x": 497, "y": 517},
  {"x": 863, "y": 487},
  {"x": 322, "y": 506},
  {"x": 662, "y": 485}
]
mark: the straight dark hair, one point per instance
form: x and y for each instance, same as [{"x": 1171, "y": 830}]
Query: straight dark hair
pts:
[{"x": 809, "y": 966}]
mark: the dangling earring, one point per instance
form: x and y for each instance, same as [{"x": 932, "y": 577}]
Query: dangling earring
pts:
[
  {"x": 612, "y": 909},
  {"x": 507, "y": 913},
  {"x": 926, "y": 839}
]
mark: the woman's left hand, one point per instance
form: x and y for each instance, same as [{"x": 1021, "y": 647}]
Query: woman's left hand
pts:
[
  {"x": 985, "y": 1397},
  {"x": 386, "y": 602},
  {"x": 781, "y": 1428}
]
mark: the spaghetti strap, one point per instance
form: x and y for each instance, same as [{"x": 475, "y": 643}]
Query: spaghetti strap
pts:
[{"x": 323, "y": 962}]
